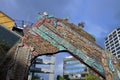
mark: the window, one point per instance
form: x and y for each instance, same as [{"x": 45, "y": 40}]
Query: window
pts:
[
  {"x": 118, "y": 56},
  {"x": 118, "y": 48},
  {"x": 114, "y": 35},
  {"x": 116, "y": 45},
  {"x": 111, "y": 41},
  {"x": 108, "y": 47},
  {"x": 110, "y": 36},
  {"x": 106, "y": 38},
  {"x": 106, "y": 42},
  {"x": 114, "y": 54},
  {"x": 116, "y": 42},
  {"x": 114, "y": 32},
  {"x": 118, "y": 32},
  {"x": 113, "y": 51},
  {"x": 118, "y": 29},
  {"x": 112, "y": 48},
  {"x": 115, "y": 38},
  {"x": 118, "y": 52},
  {"x": 111, "y": 45}
]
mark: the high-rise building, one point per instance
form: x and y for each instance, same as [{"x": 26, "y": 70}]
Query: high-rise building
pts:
[
  {"x": 112, "y": 42},
  {"x": 74, "y": 69}
]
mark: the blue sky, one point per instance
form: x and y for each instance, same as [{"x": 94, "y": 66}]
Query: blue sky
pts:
[{"x": 100, "y": 16}]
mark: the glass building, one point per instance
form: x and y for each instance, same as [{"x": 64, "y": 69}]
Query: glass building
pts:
[
  {"x": 43, "y": 66},
  {"x": 74, "y": 69}
]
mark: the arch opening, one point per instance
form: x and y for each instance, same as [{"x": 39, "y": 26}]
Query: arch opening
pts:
[{"x": 66, "y": 53}]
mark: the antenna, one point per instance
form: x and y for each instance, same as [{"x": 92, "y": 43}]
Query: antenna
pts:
[{"x": 81, "y": 25}]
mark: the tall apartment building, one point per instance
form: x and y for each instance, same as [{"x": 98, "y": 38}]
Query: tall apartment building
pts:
[
  {"x": 74, "y": 69},
  {"x": 112, "y": 42}
]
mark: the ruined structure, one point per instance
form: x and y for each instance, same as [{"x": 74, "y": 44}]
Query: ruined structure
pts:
[{"x": 50, "y": 35}]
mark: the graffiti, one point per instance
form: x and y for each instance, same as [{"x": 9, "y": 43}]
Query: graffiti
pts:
[
  {"x": 111, "y": 67},
  {"x": 118, "y": 72},
  {"x": 114, "y": 78},
  {"x": 49, "y": 19}
]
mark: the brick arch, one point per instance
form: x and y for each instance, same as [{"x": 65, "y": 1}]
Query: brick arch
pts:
[
  {"x": 48, "y": 38},
  {"x": 72, "y": 54},
  {"x": 52, "y": 45},
  {"x": 33, "y": 45}
]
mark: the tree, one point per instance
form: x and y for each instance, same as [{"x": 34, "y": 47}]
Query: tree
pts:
[
  {"x": 92, "y": 77},
  {"x": 36, "y": 77},
  {"x": 60, "y": 77},
  {"x": 3, "y": 47}
]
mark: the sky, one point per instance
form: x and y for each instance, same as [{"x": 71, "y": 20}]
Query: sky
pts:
[{"x": 100, "y": 16}]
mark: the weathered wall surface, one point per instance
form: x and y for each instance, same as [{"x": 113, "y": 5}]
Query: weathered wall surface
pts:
[{"x": 18, "y": 60}]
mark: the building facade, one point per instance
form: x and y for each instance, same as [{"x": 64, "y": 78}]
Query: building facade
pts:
[
  {"x": 8, "y": 36},
  {"x": 74, "y": 69},
  {"x": 43, "y": 65},
  {"x": 112, "y": 42},
  {"x": 6, "y": 21}
]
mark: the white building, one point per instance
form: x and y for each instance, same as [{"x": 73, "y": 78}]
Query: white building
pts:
[{"x": 112, "y": 42}]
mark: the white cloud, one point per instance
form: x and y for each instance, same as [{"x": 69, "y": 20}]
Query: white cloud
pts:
[{"x": 69, "y": 57}]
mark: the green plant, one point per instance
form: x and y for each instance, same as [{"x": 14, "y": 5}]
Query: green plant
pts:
[
  {"x": 60, "y": 77},
  {"x": 92, "y": 77},
  {"x": 36, "y": 77}
]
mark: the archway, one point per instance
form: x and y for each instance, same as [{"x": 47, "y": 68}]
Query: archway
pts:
[
  {"x": 49, "y": 36},
  {"x": 65, "y": 65}
]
